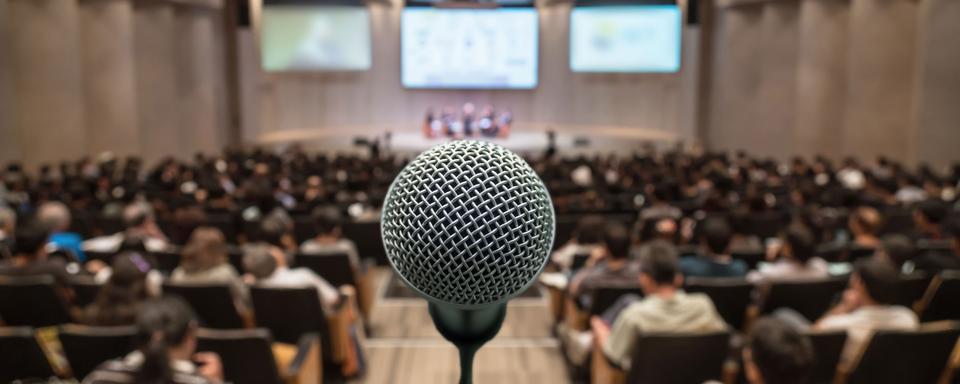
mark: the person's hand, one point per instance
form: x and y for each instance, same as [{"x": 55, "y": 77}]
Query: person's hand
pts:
[
  {"x": 210, "y": 366},
  {"x": 851, "y": 300},
  {"x": 95, "y": 266}
]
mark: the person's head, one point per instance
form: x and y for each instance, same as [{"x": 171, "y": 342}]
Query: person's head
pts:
[
  {"x": 665, "y": 229},
  {"x": 54, "y": 215},
  {"x": 120, "y": 298},
  {"x": 590, "y": 230},
  {"x": 616, "y": 240},
  {"x": 137, "y": 215},
  {"x": 30, "y": 241},
  {"x": 929, "y": 214},
  {"x": 8, "y": 220},
  {"x": 328, "y": 221},
  {"x": 799, "y": 243},
  {"x": 777, "y": 353},
  {"x": 659, "y": 268},
  {"x": 273, "y": 230},
  {"x": 260, "y": 262},
  {"x": 865, "y": 221},
  {"x": 896, "y": 249},
  {"x": 874, "y": 281},
  {"x": 717, "y": 234},
  {"x": 205, "y": 250},
  {"x": 166, "y": 331}
]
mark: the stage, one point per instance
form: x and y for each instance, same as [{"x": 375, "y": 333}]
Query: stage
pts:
[{"x": 525, "y": 138}]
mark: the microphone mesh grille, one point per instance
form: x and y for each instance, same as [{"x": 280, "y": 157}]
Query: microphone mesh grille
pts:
[{"x": 468, "y": 223}]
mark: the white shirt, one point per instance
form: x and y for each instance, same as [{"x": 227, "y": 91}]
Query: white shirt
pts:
[
  {"x": 302, "y": 277},
  {"x": 112, "y": 243},
  {"x": 564, "y": 256},
  {"x": 783, "y": 270},
  {"x": 861, "y": 324}
]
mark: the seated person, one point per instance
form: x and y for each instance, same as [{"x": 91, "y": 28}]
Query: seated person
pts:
[
  {"x": 611, "y": 264},
  {"x": 664, "y": 309},
  {"x": 899, "y": 251},
  {"x": 204, "y": 260},
  {"x": 8, "y": 225},
  {"x": 939, "y": 260},
  {"x": 864, "y": 224},
  {"x": 55, "y": 216},
  {"x": 329, "y": 239},
  {"x": 267, "y": 266},
  {"x": 796, "y": 260},
  {"x": 586, "y": 238},
  {"x": 928, "y": 218},
  {"x": 166, "y": 350},
  {"x": 139, "y": 222},
  {"x": 121, "y": 298},
  {"x": 777, "y": 353},
  {"x": 30, "y": 258},
  {"x": 717, "y": 262},
  {"x": 867, "y": 306}
]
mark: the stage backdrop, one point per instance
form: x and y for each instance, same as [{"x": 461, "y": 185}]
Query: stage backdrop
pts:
[{"x": 374, "y": 99}]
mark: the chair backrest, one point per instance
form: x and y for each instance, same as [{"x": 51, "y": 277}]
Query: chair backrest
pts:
[
  {"x": 335, "y": 268},
  {"x": 764, "y": 224},
  {"x": 304, "y": 228},
  {"x": 810, "y": 298},
  {"x": 752, "y": 257},
  {"x": 225, "y": 223},
  {"x": 235, "y": 258},
  {"x": 213, "y": 303},
  {"x": 679, "y": 358},
  {"x": 246, "y": 354},
  {"x": 21, "y": 356},
  {"x": 906, "y": 357},
  {"x": 31, "y": 301},
  {"x": 827, "y": 350},
  {"x": 290, "y": 313},
  {"x": 366, "y": 234},
  {"x": 85, "y": 290},
  {"x": 857, "y": 252},
  {"x": 579, "y": 260},
  {"x": 565, "y": 226},
  {"x": 912, "y": 288},
  {"x": 942, "y": 300},
  {"x": 605, "y": 297},
  {"x": 731, "y": 297},
  {"x": 167, "y": 261},
  {"x": 897, "y": 220},
  {"x": 88, "y": 347}
]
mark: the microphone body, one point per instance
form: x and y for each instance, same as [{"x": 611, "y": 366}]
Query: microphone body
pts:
[{"x": 468, "y": 225}]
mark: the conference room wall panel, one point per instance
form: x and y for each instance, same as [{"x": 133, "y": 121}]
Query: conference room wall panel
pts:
[
  {"x": 938, "y": 70},
  {"x": 9, "y": 150},
  {"x": 156, "y": 77}
]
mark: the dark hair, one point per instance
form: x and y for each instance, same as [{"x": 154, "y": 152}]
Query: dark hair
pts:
[
  {"x": 659, "y": 261},
  {"x": 934, "y": 210},
  {"x": 258, "y": 261},
  {"x": 879, "y": 279},
  {"x": 717, "y": 234},
  {"x": 327, "y": 219},
  {"x": 590, "y": 230},
  {"x": 801, "y": 240},
  {"x": 161, "y": 324},
  {"x": 617, "y": 240},
  {"x": 30, "y": 239},
  {"x": 952, "y": 228},
  {"x": 899, "y": 249},
  {"x": 781, "y": 353},
  {"x": 120, "y": 299}
]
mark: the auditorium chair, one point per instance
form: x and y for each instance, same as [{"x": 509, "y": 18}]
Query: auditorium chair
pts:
[
  {"x": 668, "y": 359},
  {"x": 752, "y": 257},
  {"x": 827, "y": 350},
  {"x": 810, "y": 298},
  {"x": 942, "y": 299},
  {"x": 108, "y": 225},
  {"x": 248, "y": 357},
  {"x": 304, "y": 228},
  {"x": 565, "y": 227},
  {"x": 88, "y": 347},
  {"x": 290, "y": 313},
  {"x": 85, "y": 290},
  {"x": 31, "y": 301},
  {"x": 911, "y": 288},
  {"x": 226, "y": 224},
  {"x": 905, "y": 357},
  {"x": 235, "y": 258},
  {"x": 166, "y": 261},
  {"x": 577, "y": 310},
  {"x": 579, "y": 261},
  {"x": 106, "y": 257},
  {"x": 764, "y": 224},
  {"x": 856, "y": 252},
  {"x": 213, "y": 303},
  {"x": 65, "y": 255},
  {"x": 337, "y": 270},
  {"x": 21, "y": 357},
  {"x": 897, "y": 220},
  {"x": 731, "y": 297},
  {"x": 366, "y": 235}
]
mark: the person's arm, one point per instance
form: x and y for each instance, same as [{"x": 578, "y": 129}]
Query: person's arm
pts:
[
  {"x": 601, "y": 330},
  {"x": 850, "y": 302}
]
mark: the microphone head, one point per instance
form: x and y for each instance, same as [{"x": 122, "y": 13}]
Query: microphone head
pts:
[{"x": 468, "y": 224}]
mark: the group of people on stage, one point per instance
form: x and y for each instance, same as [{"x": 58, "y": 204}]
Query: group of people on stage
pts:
[{"x": 469, "y": 123}]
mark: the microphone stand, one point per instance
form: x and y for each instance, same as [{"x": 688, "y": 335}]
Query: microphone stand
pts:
[{"x": 468, "y": 330}]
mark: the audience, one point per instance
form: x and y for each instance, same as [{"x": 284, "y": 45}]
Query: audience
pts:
[
  {"x": 329, "y": 240},
  {"x": 139, "y": 222},
  {"x": 716, "y": 262},
  {"x": 587, "y": 238},
  {"x": 928, "y": 215},
  {"x": 267, "y": 266},
  {"x": 122, "y": 297},
  {"x": 30, "y": 258},
  {"x": 864, "y": 224},
  {"x": 795, "y": 258},
  {"x": 204, "y": 260},
  {"x": 777, "y": 353},
  {"x": 868, "y": 305},
  {"x": 665, "y": 308},
  {"x": 166, "y": 350},
  {"x": 610, "y": 265}
]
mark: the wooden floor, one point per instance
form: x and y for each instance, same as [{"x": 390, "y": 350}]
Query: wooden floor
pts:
[{"x": 404, "y": 348}]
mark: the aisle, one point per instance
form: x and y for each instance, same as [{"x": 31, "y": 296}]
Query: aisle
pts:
[{"x": 404, "y": 348}]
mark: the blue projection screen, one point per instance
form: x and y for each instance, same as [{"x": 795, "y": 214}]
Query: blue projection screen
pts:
[
  {"x": 639, "y": 38},
  {"x": 469, "y": 48}
]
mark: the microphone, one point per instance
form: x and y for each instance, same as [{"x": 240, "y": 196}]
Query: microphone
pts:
[{"x": 467, "y": 225}]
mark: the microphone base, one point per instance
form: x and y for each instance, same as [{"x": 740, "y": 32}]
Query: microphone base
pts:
[{"x": 468, "y": 330}]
